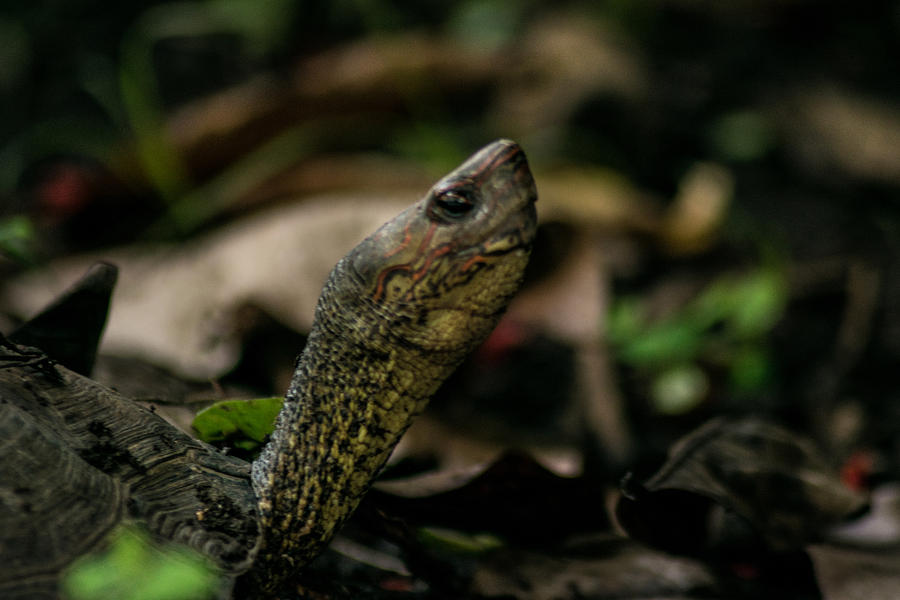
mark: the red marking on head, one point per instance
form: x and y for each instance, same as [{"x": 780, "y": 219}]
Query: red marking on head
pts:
[
  {"x": 427, "y": 239},
  {"x": 407, "y": 237},
  {"x": 381, "y": 282},
  {"x": 382, "y": 278},
  {"x": 483, "y": 170},
  {"x": 437, "y": 252},
  {"x": 478, "y": 258},
  {"x": 497, "y": 160}
]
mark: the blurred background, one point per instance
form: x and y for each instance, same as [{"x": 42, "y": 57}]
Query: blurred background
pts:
[{"x": 719, "y": 192}]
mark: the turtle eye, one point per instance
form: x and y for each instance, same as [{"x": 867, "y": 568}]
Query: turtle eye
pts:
[{"x": 451, "y": 206}]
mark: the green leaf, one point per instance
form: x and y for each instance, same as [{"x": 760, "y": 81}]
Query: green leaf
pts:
[
  {"x": 760, "y": 301},
  {"x": 751, "y": 369},
  {"x": 458, "y": 542},
  {"x": 748, "y": 306},
  {"x": 486, "y": 23},
  {"x": 133, "y": 567},
  {"x": 17, "y": 238},
  {"x": 677, "y": 340},
  {"x": 626, "y": 320},
  {"x": 243, "y": 423},
  {"x": 742, "y": 136},
  {"x": 264, "y": 25}
]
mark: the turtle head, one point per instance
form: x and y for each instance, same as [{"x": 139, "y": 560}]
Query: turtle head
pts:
[{"x": 443, "y": 271}]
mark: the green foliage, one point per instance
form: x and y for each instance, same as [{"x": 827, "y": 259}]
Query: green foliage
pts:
[
  {"x": 751, "y": 367},
  {"x": 725, "y": 325},
  {"x": 487, "y": 23},
  {"x": 16, "y": 238},
  {"x": 437, "y": 146},
  {"x": 642, "y": 344},
  {"x": 133, "y": 567},
  {"x": 451, "y": 541},
  {"x": 201, "y": 204},
  {"x": 243, "y": 424},
  {"x": 742, "y": 136},
  {"x": 123, "y": 88},
  {"x": 263, "y": 26}
]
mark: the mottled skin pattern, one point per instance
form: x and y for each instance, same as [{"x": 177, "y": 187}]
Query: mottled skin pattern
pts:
[{"x": 395, "y": 318}]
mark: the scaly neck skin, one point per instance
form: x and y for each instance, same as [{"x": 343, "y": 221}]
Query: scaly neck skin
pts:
[
  {"x": 353, "y": 395},
  {"x": 395, "y": 318}
]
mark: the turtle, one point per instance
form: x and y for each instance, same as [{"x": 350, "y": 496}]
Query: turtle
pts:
[{"x": 395, "y": 317}]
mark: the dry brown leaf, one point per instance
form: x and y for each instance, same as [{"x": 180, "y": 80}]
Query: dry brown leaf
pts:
[
  {"x": 832, "y": 127},
  {"x": 849, "y": 574},
  {"x": 616, "y": 568},
  {"x": 743, "y": 475},
  {"x": 174, "y": 305},
  {"x": 562, "y": 61},
  {"x": 692, "y": 222}
]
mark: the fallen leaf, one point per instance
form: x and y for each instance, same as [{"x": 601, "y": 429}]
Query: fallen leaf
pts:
[
  {"x": 242, "y": 423},
  {"x": 852, "y": 574},
  {"x": 174, "y": 305},
  {"x": 734, "y": 475},
  {"x": 613, "y": 568}
]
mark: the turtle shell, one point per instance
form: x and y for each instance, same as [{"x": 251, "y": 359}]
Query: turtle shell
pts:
[{"x": 78, "y": 458}]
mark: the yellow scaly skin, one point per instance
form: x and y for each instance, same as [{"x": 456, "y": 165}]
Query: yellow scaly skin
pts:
[{"x": 396, "y": 317}]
